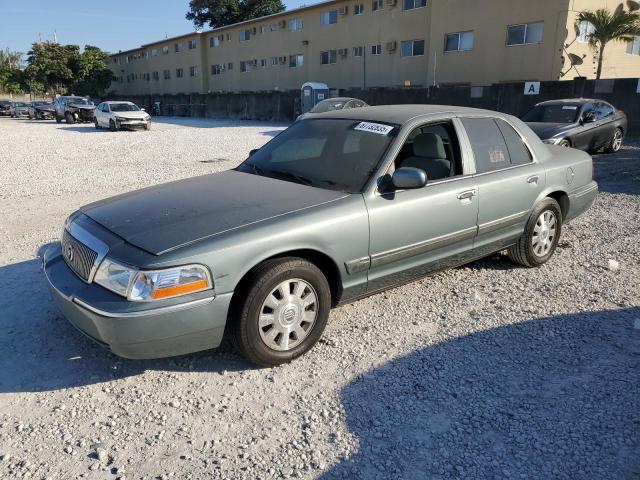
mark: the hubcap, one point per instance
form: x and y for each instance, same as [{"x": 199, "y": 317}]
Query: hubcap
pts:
[
  {"x": 617, "y": 140},
  {"x": 544, "y": 233},
  {"x": 288, "y": 314}
]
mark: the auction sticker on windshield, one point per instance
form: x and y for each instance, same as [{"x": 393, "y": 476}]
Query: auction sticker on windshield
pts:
[{"x": 378, "y": 128}]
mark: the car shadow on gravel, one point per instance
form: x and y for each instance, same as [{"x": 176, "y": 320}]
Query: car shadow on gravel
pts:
[
  {"x": 554, "y": 397},
  {"x": 41, "y": 351},
  {"x": 619, "y": 172}
]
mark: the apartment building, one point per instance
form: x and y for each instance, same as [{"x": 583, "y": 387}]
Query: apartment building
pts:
[{"x": 378, "y": 43}]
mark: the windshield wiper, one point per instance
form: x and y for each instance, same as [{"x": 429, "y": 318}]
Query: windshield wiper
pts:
[{"x": 292, "y": 176}]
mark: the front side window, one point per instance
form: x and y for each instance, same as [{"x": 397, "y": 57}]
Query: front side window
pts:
[
  {"x": 458, "y": 42},
  {"x": 603, "y": 111},
  {"x": 412, "y": 48},
  {"x": 328, "y": 57},
  {"x": 334, "y": 154},
  {"x": 525, "y": 34},
  {"x": 328, "y": 18},
  {"x": 412, "y": 4},
  {"x": 296, "y": 60}
]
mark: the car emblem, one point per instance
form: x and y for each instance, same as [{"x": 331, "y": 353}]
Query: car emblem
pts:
[{"x": 70, "y": 252}]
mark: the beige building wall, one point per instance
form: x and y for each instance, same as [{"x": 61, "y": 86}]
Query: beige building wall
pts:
[{"x": 490, "y": 60}]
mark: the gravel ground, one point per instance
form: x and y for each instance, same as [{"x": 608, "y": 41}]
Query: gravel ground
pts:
[{"x": 485, "y": 371}]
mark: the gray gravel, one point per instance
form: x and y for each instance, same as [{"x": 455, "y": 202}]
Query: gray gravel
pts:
[{"x": 485, "y": 371}]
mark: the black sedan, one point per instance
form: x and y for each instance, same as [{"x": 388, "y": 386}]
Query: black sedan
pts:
[
  {"x": 581, "y": 123},
  {"x": 5, "y": 107}
]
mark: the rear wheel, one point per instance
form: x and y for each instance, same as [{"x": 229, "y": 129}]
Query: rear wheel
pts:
[
  {"x": 616, "y": 142},
  {"x": 58, "y": 119},
  {"x": 282, "y": 312},
  {"x": 541, "y": 234},
  {"x": 68, "y": 118}
]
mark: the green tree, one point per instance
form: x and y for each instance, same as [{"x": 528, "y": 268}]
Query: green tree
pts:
[
  {"x": 51, "y": 64},
  {"x": 92, "y": 77},
  {"x": 609, "y": 27},
  {"x": 218, "y": 13},
  {"x": 11, "y": 78}
]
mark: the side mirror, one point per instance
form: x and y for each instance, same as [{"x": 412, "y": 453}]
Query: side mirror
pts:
[
  {"x": 588, "y": 118},
  {"x": 142, "y": 109},
  {"x": 253, "y": 151},
  {"x": 409, "y": 177}
]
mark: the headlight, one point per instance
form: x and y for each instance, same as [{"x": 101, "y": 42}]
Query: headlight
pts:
[{"x": 146, "y": 286}]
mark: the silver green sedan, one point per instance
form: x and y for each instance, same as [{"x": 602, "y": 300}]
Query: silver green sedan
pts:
[{"x": 339, "y": 206}]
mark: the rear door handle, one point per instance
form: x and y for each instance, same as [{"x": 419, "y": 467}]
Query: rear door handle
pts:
[
  {"x": 533, "y": 179},
  {"x": 467, "y": 194}
]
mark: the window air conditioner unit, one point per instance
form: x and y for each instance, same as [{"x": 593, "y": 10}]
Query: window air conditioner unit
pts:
[
  {"x": 344, "y": 10},
  {"x": 391, "y": 46},
  {"x": 254, "y": 62},
  {"x": 391, "y": 3},
  {"x": 342, "y": 52}
]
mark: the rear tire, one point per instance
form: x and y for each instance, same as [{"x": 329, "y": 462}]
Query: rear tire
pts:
[
  {"x": 68, "y": 118},
  {"x": 616, "y": 142},
  {"x": 282, "y": 311},
  {"x": 541, "y": 234}
]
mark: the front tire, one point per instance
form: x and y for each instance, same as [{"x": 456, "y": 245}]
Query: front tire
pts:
[
  {"x": 112, "y": 126},
  {"x": 541, "y": 234},
  {"x": 58, "y": 119},
  {"x": 616, "y": 142},
  {"x": 282, "y": 311},
  {"x": 97, "y": 124},
  {"x": 564, "y": 143},
  {"x": 68, "y": 118}
]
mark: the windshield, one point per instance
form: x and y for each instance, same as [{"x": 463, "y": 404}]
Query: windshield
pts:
[
  {"x": 124, "y": 107},
  {"x": 335, "y": 154},
  {"x": 36, "y": 104},
  {"x": 552, "y": 114},
  {"x": 328, "y": 106},
  {"x": 20, "y": 104},
  {"x": 78, "y": 101}
]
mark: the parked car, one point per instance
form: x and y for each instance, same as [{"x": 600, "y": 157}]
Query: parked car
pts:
[
  {"x": 41, "y": 110},
  {"x": 331, "y": 104},
  {"x": 338, "y": 206},
  {"x": 581, "y": 123},
  {"x": 19, "y": 109},
  {"x": 121, "y": 115},
  {"x": 73, "y": 109},
  {"x": 5, "y": 108}
]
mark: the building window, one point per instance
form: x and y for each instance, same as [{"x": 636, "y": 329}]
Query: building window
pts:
[
  {"x": 245, "y": 35},
  {"x": 633, "y": 46},
  {"x": 244, "y": 66},
  {"x": 263, "y": 62},
  {"x": 524, "y": 34},
  {"x": 179, "y": 73},
  {"x": 177, "y": 47},
  {"x": 328, "y": 57},
  {"x": 296, "y": 60},
  {"x": 274, "y": 27},
  {"x": 264, "y": 28},
  {"x": 214, "y": 41},
  {"x": 412, "y": 48},
  {"x": 165, "y": 50},
  {"x": 156, "y": 76},
  {"x": 358, "y": 9},
  {"x": 192, "y": 44},
  {"x": 328, "y": 18},
  {"x": 358, "y": 51},
  {"x": 413, "y": 4},
  {"x": 154, "y": 52},
  {"x": 585, "y": 30},
  {"x": 294, "y": 25},
  {"x": 230, "y": 66},
  {"x": 376, "y": 49},
  {"x": 458, "y": 42},
  {"x": 167, "y": 74},
  {"x": 193, "y": 71},
  {"x": 274, "y": 61},
  {"x": 377, "y": 5},
  {"x": 217, "y": 69}
]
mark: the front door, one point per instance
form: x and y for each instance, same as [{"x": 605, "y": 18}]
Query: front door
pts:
[
  {"x": 416, "y": 231},
  {"x": 509, "y": 182}
]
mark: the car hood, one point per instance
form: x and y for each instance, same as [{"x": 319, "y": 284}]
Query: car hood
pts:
[
  {"x": 82, "y": 107},
  {"x": 168, "y": 216},
  {"x": 549, "y": 130},
  {"x": 45, "y": 107},
  {"x": 140, "y": 115}
]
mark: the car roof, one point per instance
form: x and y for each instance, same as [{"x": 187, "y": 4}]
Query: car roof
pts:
[
  {"x": 112, "y": 102},
  {"x": 401, "y": 114},
  {"x": 571, "y": 101},
  {"x": 340, "y": 99}
]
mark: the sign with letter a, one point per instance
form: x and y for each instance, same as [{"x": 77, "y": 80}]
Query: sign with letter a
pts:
[{"x": 532, "y": 88}]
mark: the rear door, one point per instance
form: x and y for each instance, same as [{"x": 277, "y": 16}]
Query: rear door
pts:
[
  {"x": 605, "y": 124},
  {"x": 509, "y": 181},
  {"x": 585, "y": 136}
]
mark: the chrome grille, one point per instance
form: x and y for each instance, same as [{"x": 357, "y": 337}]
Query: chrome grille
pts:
[{"x": 78, "y": 256}]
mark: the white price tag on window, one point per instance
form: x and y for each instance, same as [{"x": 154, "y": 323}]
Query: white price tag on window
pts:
[{"x": 378, "y": 128}]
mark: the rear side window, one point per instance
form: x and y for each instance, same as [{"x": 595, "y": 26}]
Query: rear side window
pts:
[
  {"x": 489, "y": 148},
  {"x": 518, "y": 152}
]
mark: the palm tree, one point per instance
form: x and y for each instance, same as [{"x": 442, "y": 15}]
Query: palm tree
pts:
[{"x": 607, "y": 27}]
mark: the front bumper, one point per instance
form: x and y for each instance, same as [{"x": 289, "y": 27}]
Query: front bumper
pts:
[
  {"x": 82, "y": 115},
  {"x": 134, "y": 329},
  {"x": 133, "y": 123}
]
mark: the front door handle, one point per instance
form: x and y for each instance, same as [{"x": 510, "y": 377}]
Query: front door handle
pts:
[
  {"x": 533, "y": 179},
  {"x": 467, "y": 194}
]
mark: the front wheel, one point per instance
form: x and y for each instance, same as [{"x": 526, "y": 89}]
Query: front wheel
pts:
[
  {"x": 282, "y": 312},
  {"x": 564, "y": 143},
  {"x": 541, "y": 234},
  {"x": 112, "y": 126},
  {"x": 616, "y": 142},
  {"x": 58, "y": 119},
  {"x": 68, "y": 118},
  {"x": 97, "y": 124}
]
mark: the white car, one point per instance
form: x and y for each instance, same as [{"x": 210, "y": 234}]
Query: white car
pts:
[{"x": 121, "y": 115}]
